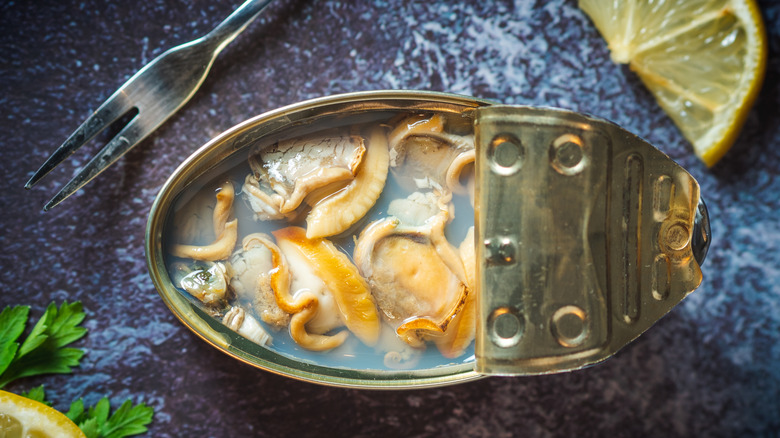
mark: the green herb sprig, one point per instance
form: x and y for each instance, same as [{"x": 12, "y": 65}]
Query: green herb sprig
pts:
[
  {"x": 96, "y": 422},
  {"x": 44, "y": 351}
]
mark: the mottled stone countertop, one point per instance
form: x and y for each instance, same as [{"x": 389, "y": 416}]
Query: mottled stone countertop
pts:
[{"x": 709, "y": 368}]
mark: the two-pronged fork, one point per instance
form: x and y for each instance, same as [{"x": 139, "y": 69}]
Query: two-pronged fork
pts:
[{"x": 156, "y": 92}]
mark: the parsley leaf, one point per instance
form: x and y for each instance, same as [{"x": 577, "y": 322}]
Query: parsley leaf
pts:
[
  {"x": 12, "y": 321},
  {"x": 126, "y": 421},
  {"x": 76, "y": 410},
  {"x": 42, "y": 352},
  {"x": 129, "y": 420},
  {"x": 37, "y": 394},
  {"x": 96, "y": 422},
  {"x": 90, "y": 428}
]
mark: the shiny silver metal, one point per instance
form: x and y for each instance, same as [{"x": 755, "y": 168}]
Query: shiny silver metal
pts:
[
  {"x": 156, "y": 92},
  {"x": 587, "y": 235}
]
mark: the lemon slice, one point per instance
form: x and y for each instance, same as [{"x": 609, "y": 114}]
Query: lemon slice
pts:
[
  {"x": 22, "y": 417},
  {"x": 703, "y": 60}
]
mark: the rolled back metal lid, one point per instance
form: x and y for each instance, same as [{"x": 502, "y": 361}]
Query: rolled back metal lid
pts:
[{"x": 586, "y": 236}]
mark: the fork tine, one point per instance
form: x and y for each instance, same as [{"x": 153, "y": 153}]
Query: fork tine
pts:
[
  {"x": 129, "y": 136},
  {"x": 112, "y": 109}
]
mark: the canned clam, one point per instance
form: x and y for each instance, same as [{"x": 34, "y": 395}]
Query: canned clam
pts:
[{"x": 398, "y": 239}]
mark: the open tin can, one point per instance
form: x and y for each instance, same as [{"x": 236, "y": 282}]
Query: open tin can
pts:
[{"x": 585, "y": 235}]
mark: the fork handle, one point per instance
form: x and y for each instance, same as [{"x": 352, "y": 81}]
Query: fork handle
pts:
[{"x": 235, "y": 23}]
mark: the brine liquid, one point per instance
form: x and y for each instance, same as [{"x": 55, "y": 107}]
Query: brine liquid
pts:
[{"x": 352, "y": 354}]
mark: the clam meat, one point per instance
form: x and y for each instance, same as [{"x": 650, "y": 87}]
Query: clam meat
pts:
[
  {"x": 343, "y": 243},
  {"x": 284, "y": 174},
  {"x": 225, "y": 230},
  {"x": 252, "y": 268},
  {"x": 206, "y": 281},
  {"x": 240, "y": 321},
  {"x": 416, "y": 275},
  {"x": 423, "y": 155}
]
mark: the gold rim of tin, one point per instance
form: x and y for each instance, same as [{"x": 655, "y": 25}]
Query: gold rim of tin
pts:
[{"x": 224, "y": 145}]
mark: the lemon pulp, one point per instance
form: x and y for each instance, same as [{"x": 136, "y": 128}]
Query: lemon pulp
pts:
[{"x": 24, "y": 418}]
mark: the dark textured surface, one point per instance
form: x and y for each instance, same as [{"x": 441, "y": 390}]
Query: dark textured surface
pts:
[{"x": 710, "y": 368}]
